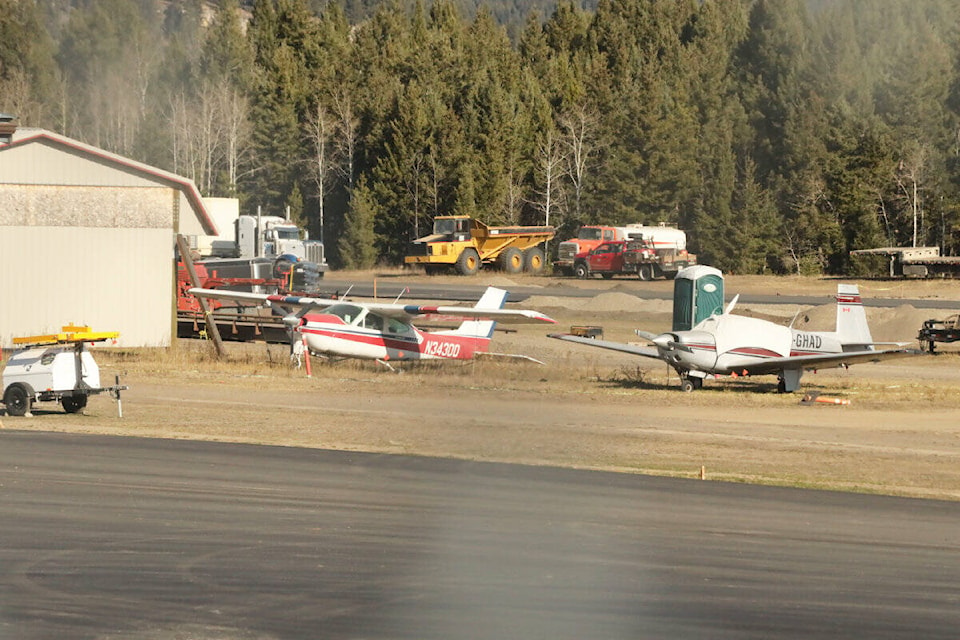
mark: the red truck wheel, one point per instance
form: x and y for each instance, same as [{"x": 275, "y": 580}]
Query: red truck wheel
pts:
[{"x": 581, "y": 270}]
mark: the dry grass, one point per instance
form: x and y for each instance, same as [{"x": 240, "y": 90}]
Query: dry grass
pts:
[{"x": 586, "y": 408}]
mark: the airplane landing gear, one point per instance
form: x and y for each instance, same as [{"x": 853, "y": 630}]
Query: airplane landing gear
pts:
[{"x": 688, "y": 384}]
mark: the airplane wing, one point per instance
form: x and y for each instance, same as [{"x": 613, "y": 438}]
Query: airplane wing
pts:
[
  {"x": 403, "y": 312},
  {"x": 770, "y": 365},
  {"x": 411, "y": 311},
  {"x": 646, "y": 352},
  {"x": 809, "y": 363},
  {"x": 263, "y": 299}
]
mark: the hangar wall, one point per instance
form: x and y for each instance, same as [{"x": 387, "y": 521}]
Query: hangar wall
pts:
[
  {"x": 113, "y": 279},
  {"x": 87, "y": 237}
]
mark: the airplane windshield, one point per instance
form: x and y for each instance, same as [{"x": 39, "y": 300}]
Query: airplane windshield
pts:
[
  {"x": 346, "y": 312},
  {"x": 588, "y": 234}
]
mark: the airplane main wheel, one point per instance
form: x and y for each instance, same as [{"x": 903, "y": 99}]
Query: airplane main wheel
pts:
[
  {"x": 533, "y": 260},
  {"x": 691, "y": 384},
  {"x": 17, "y": 400},
  {"x": 73, "y": 404},
  {"x": 469, "y": 262},
  {"x": 511, "y": 260}
]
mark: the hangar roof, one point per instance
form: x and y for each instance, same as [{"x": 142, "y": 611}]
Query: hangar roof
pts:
[{"x": 26, "y": 136}]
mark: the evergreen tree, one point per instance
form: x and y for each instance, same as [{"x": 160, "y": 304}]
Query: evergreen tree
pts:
[
  {"x": 27, "y": 67},
  {"x": 358, "y": 248}
]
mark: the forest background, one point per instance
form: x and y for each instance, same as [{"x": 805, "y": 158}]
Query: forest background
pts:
[{"x": 781, "y": 134}]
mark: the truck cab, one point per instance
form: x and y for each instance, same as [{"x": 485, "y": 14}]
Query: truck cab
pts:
[
  {"x": 588, "y": 237},
  {"x": 606, "y": 259}
]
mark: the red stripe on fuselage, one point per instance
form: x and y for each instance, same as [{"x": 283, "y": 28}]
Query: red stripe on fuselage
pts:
[
  {"x": 754, "y": 352},
  {"x": 428, "y": 346}
]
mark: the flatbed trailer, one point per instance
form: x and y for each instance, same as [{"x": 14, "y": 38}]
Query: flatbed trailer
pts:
[{"x": 920, "y": 262}]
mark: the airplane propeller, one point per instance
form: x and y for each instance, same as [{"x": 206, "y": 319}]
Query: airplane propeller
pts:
[{"x": 669, "y": 342}]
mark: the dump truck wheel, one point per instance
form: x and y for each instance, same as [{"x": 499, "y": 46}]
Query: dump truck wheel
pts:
[
  {"x": 469, "y": 262},
  {"x": 533, "y": 260},
  {"x": 511, "y": 260},
  {"x": 17, "y": 399},
  {"x": 73, "y": 404}
]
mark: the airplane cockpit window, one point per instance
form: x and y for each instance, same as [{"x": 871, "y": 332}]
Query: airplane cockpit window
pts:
[
  {"x": 397, "y": 327},
  {"x": 373, "y": 321},
  {"x": 346, "y": 312}
]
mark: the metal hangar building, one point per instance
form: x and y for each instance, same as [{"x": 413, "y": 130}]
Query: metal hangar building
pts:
[{"x": 87, "y": 237}]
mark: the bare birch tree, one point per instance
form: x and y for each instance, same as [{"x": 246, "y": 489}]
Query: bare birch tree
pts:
[
  {"x": 578, "y": 126},
  {"x": 321, "y": 128}
]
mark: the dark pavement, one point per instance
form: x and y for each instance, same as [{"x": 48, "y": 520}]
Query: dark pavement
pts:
[{"x": 135, "y": 538}]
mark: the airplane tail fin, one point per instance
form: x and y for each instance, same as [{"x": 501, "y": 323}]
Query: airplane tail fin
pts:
[
  {"x": 492, "y": 298},
  {"x": 852, "y": 329}
]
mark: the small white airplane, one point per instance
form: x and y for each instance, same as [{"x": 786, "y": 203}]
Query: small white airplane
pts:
[
  {"x": 383, "y": 332},
  {"x": 727, "y": 344}
]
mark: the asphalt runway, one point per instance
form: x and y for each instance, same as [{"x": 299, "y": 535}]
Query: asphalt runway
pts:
[{"x": 111, "y": 538}]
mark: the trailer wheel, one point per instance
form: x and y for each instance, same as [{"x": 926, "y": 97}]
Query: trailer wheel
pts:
[
  {"x": 581, "y": 270},
  {"x": 469, "y": 262},
  {"x": 533, "y": 260},
  {"x": 645, "y": 272},
  {"x": 17, "y": 399},
  {"x": 73, "y": 404},
  {"x": 511, "y": 260}
]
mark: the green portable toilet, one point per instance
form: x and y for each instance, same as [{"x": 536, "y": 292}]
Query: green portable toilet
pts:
[{"x": 697, "y": 295}]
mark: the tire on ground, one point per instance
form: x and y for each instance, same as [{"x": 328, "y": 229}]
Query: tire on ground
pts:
[
  {"x": 17, "y": 399},
  {"x": 73, "y": 404},
  {"x": 469, "y": 262},
  {"x": 511, "y": 260},
  {"x": 533, "y": 260}
]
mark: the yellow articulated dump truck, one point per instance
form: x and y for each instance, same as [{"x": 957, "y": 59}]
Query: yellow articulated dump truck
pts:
[{"x": 465, "y": 243}]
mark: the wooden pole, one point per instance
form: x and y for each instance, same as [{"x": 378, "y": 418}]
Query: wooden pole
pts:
[{"x": 212, "y": 330}]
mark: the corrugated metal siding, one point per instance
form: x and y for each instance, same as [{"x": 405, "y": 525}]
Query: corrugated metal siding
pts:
[{"x": 111, "y": 279}]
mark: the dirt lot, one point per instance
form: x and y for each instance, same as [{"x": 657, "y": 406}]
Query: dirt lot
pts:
[{"x": 585, "y": 408}]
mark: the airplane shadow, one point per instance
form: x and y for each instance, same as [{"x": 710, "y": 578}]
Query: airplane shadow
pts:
[{"x": 643, "y": 379}]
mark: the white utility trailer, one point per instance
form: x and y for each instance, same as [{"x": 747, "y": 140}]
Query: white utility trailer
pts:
[{"x": 55, "y": 368}]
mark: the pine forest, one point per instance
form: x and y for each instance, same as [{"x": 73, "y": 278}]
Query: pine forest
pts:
[{"x": 780, "y": 134}]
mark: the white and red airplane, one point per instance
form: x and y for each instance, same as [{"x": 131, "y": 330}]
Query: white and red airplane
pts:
[
  {"x": 383, "y": 332},
  {"x": 728, "y": 344}
]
